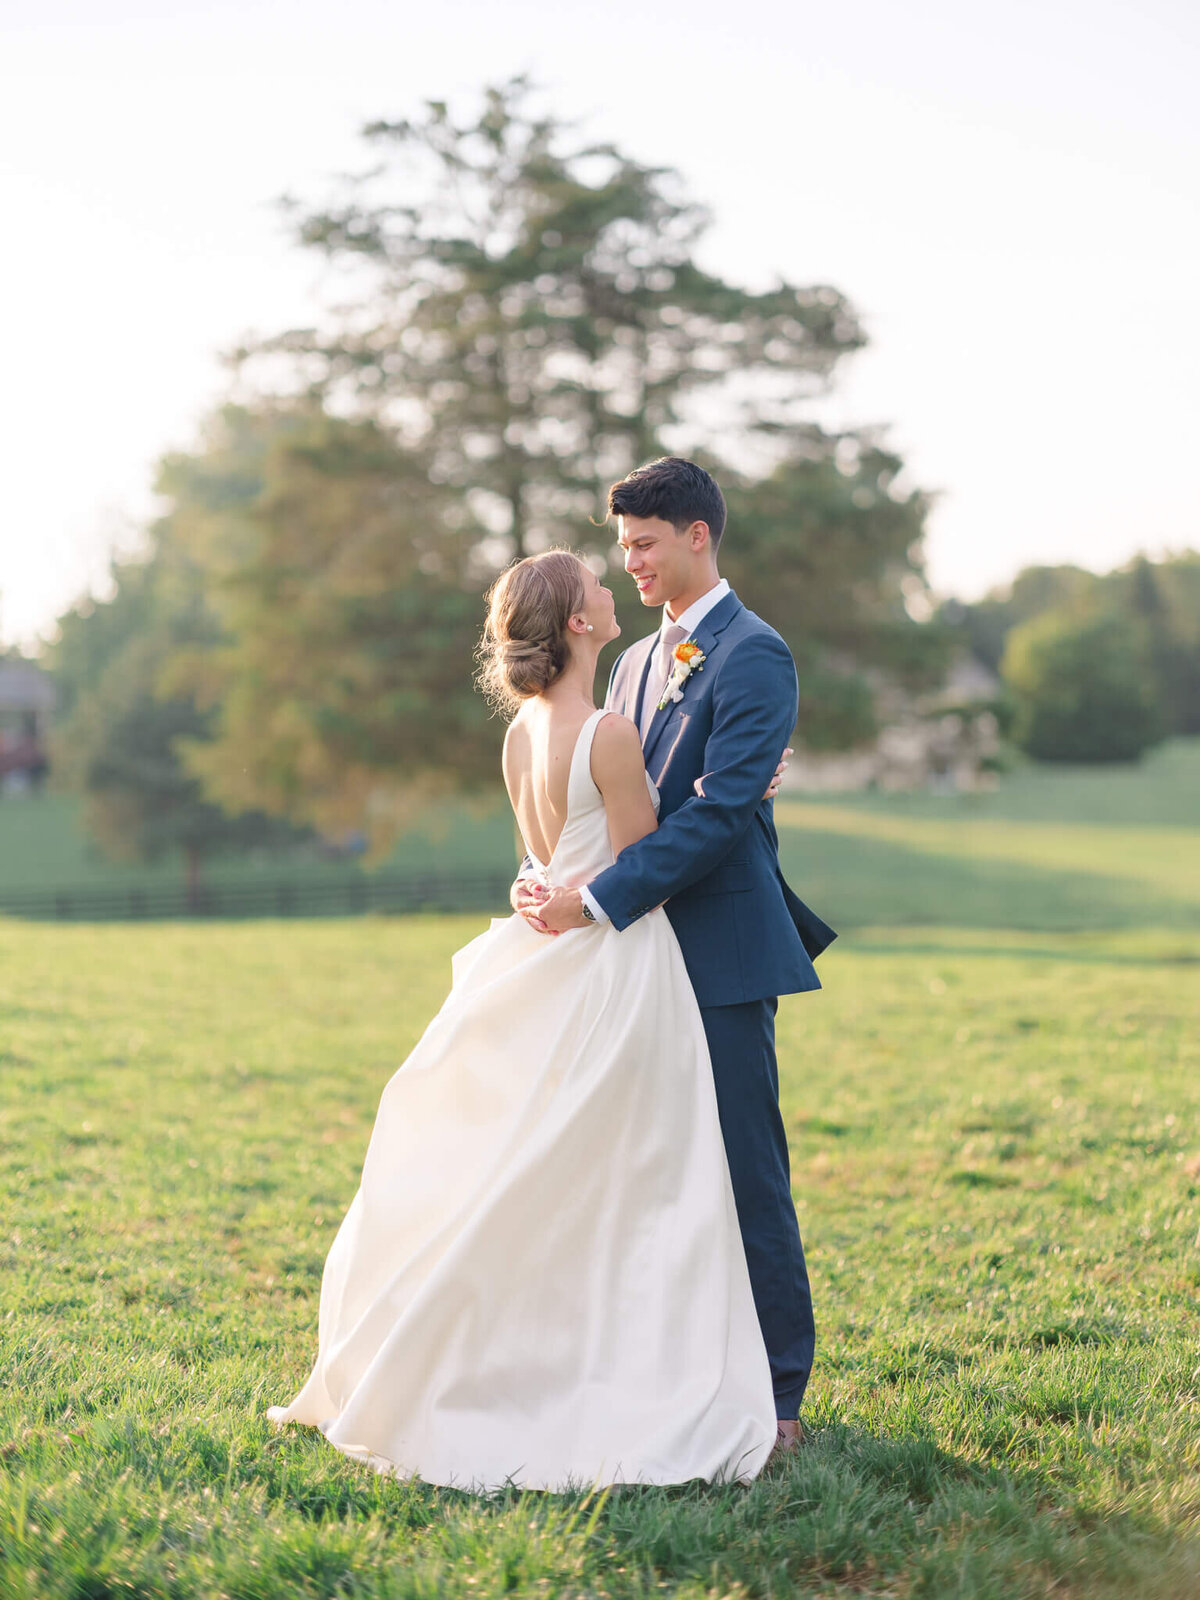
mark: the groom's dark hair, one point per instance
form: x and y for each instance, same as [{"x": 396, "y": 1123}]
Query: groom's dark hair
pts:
[{"x": 677, "y": 491}]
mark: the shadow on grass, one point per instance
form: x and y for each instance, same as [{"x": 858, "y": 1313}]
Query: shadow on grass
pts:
[
  {"x": 1029, "y": 952},
  {"x": 856, "y": 881},
  {"x": 852, "y": 1512}
]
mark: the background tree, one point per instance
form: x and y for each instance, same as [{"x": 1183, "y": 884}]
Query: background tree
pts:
[
  {"x": 1082, "y": 688},
  {"x": 828, "y": 551},
  {"x": 340, "y": 682},
  {"x": 1164, "y": 597},
  {"x": 1158, "y": 601},
  {"x": 985, "y": 624},
  {"x": 533, "y": 317},
  {"x": 524, "y": 322},
  {"x": 116, "y": 740}
]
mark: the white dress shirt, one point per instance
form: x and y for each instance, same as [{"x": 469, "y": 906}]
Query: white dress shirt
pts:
[{"x": 689, "y": 621}]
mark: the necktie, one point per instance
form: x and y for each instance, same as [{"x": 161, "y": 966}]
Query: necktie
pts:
[{"x": 660, "y": 670}]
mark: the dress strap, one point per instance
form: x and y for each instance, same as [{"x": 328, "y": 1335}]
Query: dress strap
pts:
[{"x": 581, "y": 783}]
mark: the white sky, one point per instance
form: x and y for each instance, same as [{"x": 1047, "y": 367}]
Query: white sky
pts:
[{"x": 1009, "y": 194}]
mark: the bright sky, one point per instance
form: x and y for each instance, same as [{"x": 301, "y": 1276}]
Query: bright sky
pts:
[{"x": 1009, "y": 194}]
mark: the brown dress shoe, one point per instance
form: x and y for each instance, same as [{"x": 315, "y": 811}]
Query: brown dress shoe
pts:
[{"x": 789, "y": 1436}]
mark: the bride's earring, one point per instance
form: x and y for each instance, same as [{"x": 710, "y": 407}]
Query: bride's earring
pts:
[{"x": 590, "y": 629}]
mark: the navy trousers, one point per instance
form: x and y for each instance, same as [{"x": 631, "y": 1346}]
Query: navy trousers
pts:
[{"x": 741, "y": 1042}]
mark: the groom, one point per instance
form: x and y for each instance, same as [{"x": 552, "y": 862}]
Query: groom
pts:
[{"x": 713, "y": 724}]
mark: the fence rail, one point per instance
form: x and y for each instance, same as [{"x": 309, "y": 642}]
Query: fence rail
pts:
[{"x": 282, "y": 897}]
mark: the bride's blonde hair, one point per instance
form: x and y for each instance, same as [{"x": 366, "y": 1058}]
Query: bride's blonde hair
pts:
[{"x": 524, "y": 645}]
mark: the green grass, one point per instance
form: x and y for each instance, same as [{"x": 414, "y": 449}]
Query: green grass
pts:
[
  {"x": 42, "y": 844},
  {"x": 997, "y": 1170},
  {"x": 862, "y": 867},
  {"x": 992, "y": 1108},
  {"x": 1161, "y": 790}
]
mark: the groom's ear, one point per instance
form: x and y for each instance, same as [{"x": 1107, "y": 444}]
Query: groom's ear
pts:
[{"x": 699, "y": 536}]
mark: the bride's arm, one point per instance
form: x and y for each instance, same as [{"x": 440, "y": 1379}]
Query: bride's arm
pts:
[{"x": 619, "y": 770}]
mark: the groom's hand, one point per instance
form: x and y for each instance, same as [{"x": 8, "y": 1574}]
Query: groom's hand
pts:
[
  {"x": 773, "y": 786},
  {"x": 563, "y": 909}
]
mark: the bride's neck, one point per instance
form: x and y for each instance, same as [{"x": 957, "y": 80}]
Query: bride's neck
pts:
[{"x": 577, "y": 681}]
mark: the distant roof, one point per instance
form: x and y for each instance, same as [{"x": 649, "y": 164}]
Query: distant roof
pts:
[{"x": 25, "y": 687}]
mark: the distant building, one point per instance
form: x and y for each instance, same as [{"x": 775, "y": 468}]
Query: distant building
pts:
[
  {"x": 946, "y": 740},
  {"x": 26, "y": 703}
]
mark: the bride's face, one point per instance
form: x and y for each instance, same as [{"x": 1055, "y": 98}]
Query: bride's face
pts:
[{"x": 598, "y": 608}]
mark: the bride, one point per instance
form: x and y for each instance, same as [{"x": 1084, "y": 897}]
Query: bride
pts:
[{"x": 540, "y": 1281}]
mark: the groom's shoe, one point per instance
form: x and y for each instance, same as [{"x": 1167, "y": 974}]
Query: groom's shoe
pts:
[{"x": 789, "y": 1436}]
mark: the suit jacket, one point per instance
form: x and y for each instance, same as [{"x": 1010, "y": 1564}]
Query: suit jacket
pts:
[{"x": 714, "y": 860}]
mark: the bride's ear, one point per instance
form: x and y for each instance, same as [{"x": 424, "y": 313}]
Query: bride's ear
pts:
[{"x": 579, "y": 625}]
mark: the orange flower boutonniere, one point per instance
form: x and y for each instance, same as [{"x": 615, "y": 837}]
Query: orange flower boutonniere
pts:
[{"x": 689, "y": 658}]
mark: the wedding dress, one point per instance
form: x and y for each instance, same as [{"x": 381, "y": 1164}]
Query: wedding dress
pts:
[{"x": 540, "y": 1280}]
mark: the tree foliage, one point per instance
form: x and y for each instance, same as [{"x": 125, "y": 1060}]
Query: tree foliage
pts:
[
  {"x": 828, "y": 551},
  {"x": 522, "y": 320},
  {"x": 1082, "y": 688},
  {"x": 116, "y": 740},
  {"x": 1157, "y": 604},
  {"x": 341, "y": 680},
  {"x": 530, "y": 312}
]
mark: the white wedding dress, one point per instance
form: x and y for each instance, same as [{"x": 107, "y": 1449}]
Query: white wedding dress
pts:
[{"x": 541, "y": 1280}]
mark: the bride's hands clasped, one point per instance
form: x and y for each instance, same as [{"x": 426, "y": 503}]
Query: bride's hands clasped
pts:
[{"x": 555, "y": 911}]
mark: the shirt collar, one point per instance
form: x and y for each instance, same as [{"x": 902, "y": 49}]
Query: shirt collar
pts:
[{"x": 695, "y": 614}]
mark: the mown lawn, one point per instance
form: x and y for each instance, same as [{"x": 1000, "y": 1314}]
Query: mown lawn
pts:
[
  {"x": 996, "y": 1163},
  {"x": 852, "y": 851}
]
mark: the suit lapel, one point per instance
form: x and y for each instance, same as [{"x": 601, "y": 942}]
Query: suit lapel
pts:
[
  {"x": 707, "y": 635},
  {"x": 635, "y": 684}
]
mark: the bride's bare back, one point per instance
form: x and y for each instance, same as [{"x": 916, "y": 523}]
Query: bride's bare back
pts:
[{"x": 538, "y": 749}]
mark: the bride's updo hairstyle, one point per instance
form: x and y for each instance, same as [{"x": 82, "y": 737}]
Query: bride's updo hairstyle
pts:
[{"x": 524, "y": 646}]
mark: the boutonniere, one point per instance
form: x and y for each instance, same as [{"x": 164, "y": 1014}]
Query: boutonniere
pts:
[{"x": 688, "y": 658}]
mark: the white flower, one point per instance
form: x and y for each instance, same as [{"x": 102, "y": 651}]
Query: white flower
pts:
[{"x": 689, "y": 658}]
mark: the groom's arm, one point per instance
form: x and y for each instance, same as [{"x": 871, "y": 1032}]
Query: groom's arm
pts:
[{"x": 755, "y": 700}]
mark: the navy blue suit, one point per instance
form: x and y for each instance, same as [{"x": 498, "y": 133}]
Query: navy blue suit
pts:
[{"x": 746, "y": 938}]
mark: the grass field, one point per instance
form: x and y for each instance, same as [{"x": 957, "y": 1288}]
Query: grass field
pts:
[
  {"x": 996, "y": 1161},
  {"x": 852, "y": 854}
]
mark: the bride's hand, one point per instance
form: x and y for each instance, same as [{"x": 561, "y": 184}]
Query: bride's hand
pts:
[{"x": 526, "y": 893}]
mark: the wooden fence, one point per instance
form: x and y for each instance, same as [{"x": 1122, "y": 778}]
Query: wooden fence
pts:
[{"x": 390, "y": 892}]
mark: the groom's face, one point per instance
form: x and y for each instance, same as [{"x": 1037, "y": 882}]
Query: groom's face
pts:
[{"x": 658, "y": 558}]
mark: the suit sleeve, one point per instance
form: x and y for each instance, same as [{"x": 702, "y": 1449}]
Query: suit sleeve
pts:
[{"x": 755, "y": 700}]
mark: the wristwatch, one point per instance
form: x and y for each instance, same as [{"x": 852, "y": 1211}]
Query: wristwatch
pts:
[{"x": 588, "y": 914}]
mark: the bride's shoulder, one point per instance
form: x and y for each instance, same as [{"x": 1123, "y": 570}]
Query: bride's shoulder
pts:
[
  {"x": 516, "y": 736},
  {"x": 516, "y": 745},
  {"x": 614, "y": 727},
  {"x": 616, "y": 746}
]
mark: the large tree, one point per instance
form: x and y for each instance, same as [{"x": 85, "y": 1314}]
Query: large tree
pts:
[
  {"x": 523, "y": 322},
  {"x": 530, "y": 313}
]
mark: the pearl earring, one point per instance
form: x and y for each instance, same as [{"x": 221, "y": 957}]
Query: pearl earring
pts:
[{"x": 590, "y": 629}]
